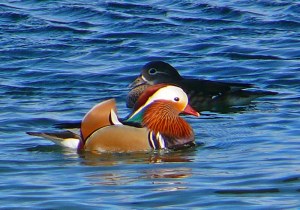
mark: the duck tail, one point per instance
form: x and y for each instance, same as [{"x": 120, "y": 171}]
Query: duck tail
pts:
[{"x": 65, "y": 139}]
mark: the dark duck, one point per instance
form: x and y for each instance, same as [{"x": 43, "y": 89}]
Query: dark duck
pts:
[{"x": 204, "y": 95}]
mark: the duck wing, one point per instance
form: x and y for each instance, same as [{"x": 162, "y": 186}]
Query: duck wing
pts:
[{"x": 101, "y": 115}]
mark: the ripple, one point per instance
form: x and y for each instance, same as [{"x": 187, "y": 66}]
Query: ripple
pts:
[
  {"x": 13, "y": 16},
  {"x": 291, "y": 179},
  {"x": 248, "y": 191},
  {"x": 240, "y": 56},
  {"x": 59, "y": 58}
]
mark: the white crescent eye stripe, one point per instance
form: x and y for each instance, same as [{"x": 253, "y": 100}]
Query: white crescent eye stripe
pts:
[
  {"x": 166, "y": 93},
  {"x": 157, "y": 72}
]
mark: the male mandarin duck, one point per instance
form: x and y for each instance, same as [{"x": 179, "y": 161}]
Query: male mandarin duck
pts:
[
  {"x": 154, "y": 124},
  {"x": 204, "y": 95}
]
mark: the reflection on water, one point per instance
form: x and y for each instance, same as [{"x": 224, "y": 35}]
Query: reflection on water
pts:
[
  {"x": 165, "y": 178},
  {"x": 170, "y": 178},
  {"x": 154, "y": 157},
  {"x": 178, "y": 173}
]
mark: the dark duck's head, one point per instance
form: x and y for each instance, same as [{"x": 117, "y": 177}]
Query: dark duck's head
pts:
[{"x": 154, "y": 72}]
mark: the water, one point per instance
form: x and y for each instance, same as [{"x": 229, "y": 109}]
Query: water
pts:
[{"x": 59, "y": 58}]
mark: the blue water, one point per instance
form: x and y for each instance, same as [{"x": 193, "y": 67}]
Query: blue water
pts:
[{"x": 59, "y": 58}]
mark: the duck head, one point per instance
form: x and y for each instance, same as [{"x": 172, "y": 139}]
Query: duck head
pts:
[
  {"x": 156, "y": 72},
  {"x": 158, "y": 109}
]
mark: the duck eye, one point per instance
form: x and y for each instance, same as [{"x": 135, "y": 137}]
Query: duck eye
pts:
[
  {"x": 152, "y": 71},
  {"x": 176, "y": 99}
]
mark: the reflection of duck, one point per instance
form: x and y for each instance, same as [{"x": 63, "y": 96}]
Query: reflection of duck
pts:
[
  {"x": 169, "y": 173},
  {"x": 154, "y": 124},
  {"x": 168, "y": 178},
  {"x": 153, "y": 157},
  {"x": 203, "y": 94}
]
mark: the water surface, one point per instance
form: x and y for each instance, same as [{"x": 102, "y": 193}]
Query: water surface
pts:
[{"x": 59, "y": 58}]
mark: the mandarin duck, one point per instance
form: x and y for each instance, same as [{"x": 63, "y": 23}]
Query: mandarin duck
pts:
[
  {"x": 154, "y": 124},
  {"x": 204, "y": 95}
]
